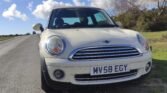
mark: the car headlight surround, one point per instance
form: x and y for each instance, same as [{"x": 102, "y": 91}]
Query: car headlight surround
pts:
[
  {"x": 55, "y": 45},
  {"x": 143, "y": 42}
]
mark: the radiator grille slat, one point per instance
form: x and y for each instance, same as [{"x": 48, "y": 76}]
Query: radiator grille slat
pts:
[
  {"x": 104, "y": 49},
  {"x": 105, "y": 52}
]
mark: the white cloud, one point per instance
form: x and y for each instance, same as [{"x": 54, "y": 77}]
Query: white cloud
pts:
[
  {"x": 7, "y": 1},
  {"x": 11, "y": 13},
  {"x": 43, "y": 10},
  {"x": 102, "y": 3},
  {"x": 78, "y": 3},
  {"x": 105, "y": 4},
  {"x": 30, "y": 5},
  {"x": 146, "y": 3}
]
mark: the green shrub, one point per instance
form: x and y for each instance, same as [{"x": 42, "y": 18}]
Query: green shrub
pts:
[{"x": 144, "y": 20}]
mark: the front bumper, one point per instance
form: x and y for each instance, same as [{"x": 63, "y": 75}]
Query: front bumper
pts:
[{"x": 72, "y": 68}]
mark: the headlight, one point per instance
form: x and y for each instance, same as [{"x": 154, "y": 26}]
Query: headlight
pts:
[
  {"x": 55, "y": 45},
  {"x": 143, "y": 42}
]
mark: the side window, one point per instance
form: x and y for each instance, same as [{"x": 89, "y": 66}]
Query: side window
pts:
[
  {"x": 54, "y": 22},
  {"x": 90, "y": 22},
  {"x": 100, "y": 18}
]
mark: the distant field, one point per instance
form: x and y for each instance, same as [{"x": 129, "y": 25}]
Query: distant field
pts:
[
  {"x": 158, "y": 41},
  {"x": 5, "y": 37}
]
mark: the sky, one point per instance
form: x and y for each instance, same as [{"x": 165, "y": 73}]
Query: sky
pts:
[{"x": 18, "y": 16}]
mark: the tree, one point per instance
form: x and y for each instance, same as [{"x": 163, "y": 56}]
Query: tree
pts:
[
  {"x": 162, "y": 6},
  {"x": 129, "y": 18},
  {"x": 27, "y": 34},
  {"x": 121, "y": 6},
  {"x": 133, "y": 15},
  {"x": 33, "y": 32}
]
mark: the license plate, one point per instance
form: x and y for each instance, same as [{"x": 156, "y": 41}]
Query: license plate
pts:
[{"x": 110, "y": 69}]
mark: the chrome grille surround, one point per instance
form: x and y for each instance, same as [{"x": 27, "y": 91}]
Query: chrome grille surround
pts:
[{"x": 105, "y": 52}]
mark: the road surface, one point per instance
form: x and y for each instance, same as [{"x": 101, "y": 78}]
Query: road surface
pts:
[
  {"x": 20, "y": 69},
  {"x": 19, "y": 65}
]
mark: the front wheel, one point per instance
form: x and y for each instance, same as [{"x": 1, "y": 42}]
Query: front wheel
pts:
[
  {"x": 44, "y": 84},
  {"x": 140, "y": 80},
  {"x": 47, "y": 88}
]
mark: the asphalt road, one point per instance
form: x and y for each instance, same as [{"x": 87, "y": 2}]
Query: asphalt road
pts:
[
  {"x": 20, "y": 70},
  {"x": 19, "y": 65}
]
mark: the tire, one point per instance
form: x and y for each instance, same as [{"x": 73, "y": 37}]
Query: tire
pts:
[
  {"x": 140, "y": 80},
  {"x": 44, "y": 84},
  {"x": 46, "y": 87}
]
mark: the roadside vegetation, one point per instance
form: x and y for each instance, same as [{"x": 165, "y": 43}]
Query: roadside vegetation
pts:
[
  {"x": 158, "y": 41},
  {"x": 5, "y": 37},
  {"x": 140, "y": 18}
]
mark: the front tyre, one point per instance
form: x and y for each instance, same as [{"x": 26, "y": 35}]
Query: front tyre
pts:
[
  {"x": 45, "y": 87},
  {"x": 44, "y": 84}
]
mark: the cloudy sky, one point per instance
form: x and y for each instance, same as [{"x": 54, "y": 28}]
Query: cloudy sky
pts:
[{"x": 18, "y": 16}]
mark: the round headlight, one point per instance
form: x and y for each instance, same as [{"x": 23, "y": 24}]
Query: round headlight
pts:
[
  {"x": 143, "y": 42},
  {"x": 55, "y": 45}
]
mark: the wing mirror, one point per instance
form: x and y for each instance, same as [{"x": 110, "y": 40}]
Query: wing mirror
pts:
[{"x": 38, "y": 27}]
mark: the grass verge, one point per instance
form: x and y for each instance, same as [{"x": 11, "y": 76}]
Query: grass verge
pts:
[
  {"x": 5, "y": 37},
  {"x": 158, "y": 41}
]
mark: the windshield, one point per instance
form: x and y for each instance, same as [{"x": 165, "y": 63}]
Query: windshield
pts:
[{"x": 79, "y": 18}]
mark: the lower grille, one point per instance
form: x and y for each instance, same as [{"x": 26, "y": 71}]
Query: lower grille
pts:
[{"x": 88, "y": 77}]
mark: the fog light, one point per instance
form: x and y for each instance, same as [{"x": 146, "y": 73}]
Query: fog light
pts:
[
  {"x": 148, "y": 67},
  {"x": 59, "y": 74}
]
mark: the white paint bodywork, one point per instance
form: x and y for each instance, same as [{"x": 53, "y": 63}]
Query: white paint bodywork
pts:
[{"x": 86, "y": 37}]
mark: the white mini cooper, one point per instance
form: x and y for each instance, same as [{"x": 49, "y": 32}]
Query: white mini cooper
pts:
[{"x": 83, "y": 46}]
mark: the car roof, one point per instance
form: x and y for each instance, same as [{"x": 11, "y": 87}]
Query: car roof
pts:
[{"x": 75, "y": 7}]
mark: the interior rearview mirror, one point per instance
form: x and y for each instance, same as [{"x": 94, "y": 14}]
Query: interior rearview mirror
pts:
[{"x": 38, "y": 27}]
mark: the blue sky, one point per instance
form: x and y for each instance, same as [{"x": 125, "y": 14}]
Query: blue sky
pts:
[
  {"x": 18, "y": 16},
  {"x": 17, "y": 25}
]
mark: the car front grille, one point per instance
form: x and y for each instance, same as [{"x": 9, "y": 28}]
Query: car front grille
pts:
[
  {"x": 104, "y": 52},
  {"x": 88, "y": 77}
]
